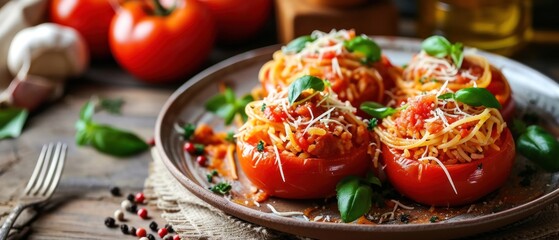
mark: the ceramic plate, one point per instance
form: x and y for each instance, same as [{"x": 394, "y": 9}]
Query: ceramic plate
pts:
[{"x": 532, "y": 92}]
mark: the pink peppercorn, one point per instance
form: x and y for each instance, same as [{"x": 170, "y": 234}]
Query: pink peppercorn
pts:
[
  {"x": 141, "y": 232},
  {"x": 162, "y": 232},
  {"x": 143, "y": 213},
  {"x": 176, "y": 237},
  {"x": 189, "y": 147},
  {"x": 139, "y": 197},
  {"x": 202, "y": 160}
]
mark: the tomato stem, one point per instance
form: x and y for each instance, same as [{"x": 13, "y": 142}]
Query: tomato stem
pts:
[{"x": 160, "y": 10}]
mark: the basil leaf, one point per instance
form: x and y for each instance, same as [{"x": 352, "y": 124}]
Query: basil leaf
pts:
[
  {"x": 87, "y": 111},
  {"x": 83, "y": 136},
  {"x": 301, "y": 84},
  {"x": 446, "y": 96},
  {"x": 117, "y": 142},
  {"x": 372, "y": 179},
  {"x": 477, "y": 97},
  {"x": 189, "y": 129},
  {"x": 539, "y": 146},
  {"x": 241, "y": 104},
  {"x": 12, "y": 121},
  {"x": 456, "y": 53},
  {"x": 215, "y": 103},
  {"x": 436, "y": 46},
  {"x": 377, "y": 110},
  {"x": 221, "y": 188},
  {"x": 354, "y": 198},
  {"x": 298, "y": 44},
  {"x": 365, "y": 46},
  {"x": 112, "y": 106},
  {"x": 226, "y": 105}
]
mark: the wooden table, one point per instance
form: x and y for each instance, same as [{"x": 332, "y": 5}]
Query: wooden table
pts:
[{"x": 83, "y": 200}]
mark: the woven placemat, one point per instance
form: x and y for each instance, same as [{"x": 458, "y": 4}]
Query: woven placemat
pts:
[{"x": 193, "y": 218}]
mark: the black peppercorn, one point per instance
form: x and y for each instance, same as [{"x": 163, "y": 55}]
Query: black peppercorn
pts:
[
  {"x": 110, "y": 222},
  {"x": 169, "y": 228},
  {"x": 151, "y": 237},
  {"x": 133, "y": 208},
  {"x": 115, "y": 191},
  {"x": 168, "y": 237},
  {"x": 133, "y": 231},
  {"x": 124, "y": 228},
  {"x": 153, "y": 226},
  {"x": 130, "y": 197}
]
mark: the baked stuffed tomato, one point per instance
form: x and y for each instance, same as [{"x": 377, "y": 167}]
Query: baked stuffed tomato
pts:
[
  {"x": 354, "y": 65},
  {"x": 299, "y": 143},
  {"x": 438, "y": 150},
  {"x": 442, "y": 63}
]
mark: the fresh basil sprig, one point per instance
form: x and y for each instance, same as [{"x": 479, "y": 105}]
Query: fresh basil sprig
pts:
[
  {"x": 538, "y": 145},
  {"x": 221, "y": 188},
  {"x": 377, "y": 110},
  {"x": 440, "y": 47},
  {"x": 474, "y": 97},
  {"x": 226, "y": 105},
  {"x": 297, "y": 44},
  {"x": 12, "y": 121},
  {"x": 355, "y": 196},
  {"x": 105, "y": 138},
  {"x": 365, "y": 46},
  {"x": 112, "y": 106},
  {"x": 301, "y": 84}
]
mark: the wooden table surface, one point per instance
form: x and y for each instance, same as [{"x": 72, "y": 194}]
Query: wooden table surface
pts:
[{"x": 83, "y": 200}]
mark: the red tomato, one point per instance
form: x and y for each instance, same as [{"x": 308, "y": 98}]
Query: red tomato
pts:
[
  {"x": 304, "y": 178},
  {"x": 500, "y": 87},
  {"x": 91, "y": 18},
  {"x": 161, "y": 48},
  {"x": 472, "y": 180},
  {"x": 238, "y": 20}
]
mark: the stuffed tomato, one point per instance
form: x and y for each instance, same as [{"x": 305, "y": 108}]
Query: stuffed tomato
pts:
[
  {"x": 302, "y": 149},
  {"x": 430, "y": 69},
  {"x": 442, "y": 152}
]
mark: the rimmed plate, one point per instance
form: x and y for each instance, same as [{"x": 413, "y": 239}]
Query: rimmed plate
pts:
[{"x": 531, "y": 89}]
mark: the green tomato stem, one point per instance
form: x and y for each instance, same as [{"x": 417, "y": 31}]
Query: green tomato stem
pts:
[{"x": 160, "y": 10}]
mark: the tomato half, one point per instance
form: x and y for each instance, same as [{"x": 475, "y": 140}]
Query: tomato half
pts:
[
  {"x": 91, "y": 18},
  {"x": 431, "y": 186},
  {"x": 500, "y": 87},
  {"x": 305, "y": 178},
  {"x": 162, "y": 48}
]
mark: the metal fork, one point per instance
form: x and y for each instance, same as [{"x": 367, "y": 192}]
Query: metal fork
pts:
[{"x": 42, "y": 183}]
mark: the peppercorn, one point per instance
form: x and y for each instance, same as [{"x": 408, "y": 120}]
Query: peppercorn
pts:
[
  {"x": 168, "y": 237},
  {"x": 151, "y": 142},
  {"x": 133, "y": 208},
  {"x": 133, "y": 231},
  {"x": 125, "y": 205},
  {"x": 115, "y": 191},
  {"x": 189, "y": 147},
  {"x": 151, "y": 237},
  {"x": 144, "y": 238},
  {"x": 141, "y": 232},
  {"x": 143, "y": 213},
  {"x": 124, "y": 229},
  {"x": 169, "y": 228},
  {"x": 202, "y": 160},
  {"x": 130, "y": 197},
  {"x": 176, "y": 237},
  {"x": 110, "y": 222},
  {"x": 153, "y": 226},
  {"x": 162, "y": 232},
  {"x": 139, "y": 197},
  {"x": 119, "y": 215}
]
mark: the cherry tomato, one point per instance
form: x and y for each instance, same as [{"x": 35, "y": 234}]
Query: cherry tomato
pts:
[
  {"x": 305, "y": 178},
  {"x": 238, "y": 20},
  {"x": 472, "y": 180},
  {"x": 500, "y": 87},
  {"x": 159, "y": 47},
  {"x": 91, "y": 18}
]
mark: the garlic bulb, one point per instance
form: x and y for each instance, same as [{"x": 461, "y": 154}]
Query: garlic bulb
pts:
[{"x": 48, "y": 50}]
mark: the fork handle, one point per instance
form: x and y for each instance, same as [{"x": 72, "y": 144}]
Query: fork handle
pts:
[{"x": 10, "y": 221}]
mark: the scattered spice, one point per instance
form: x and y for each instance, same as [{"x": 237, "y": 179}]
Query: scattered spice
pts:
[
  {"x": 124, "y": 229},
  {"x": 110, "y": 222},
  {"x": 133, "y": 208},
  {"x": 176, "y": 237},
  {"x": 210, "y": 175},
  {"x": 139, "y": 198},
  {"x": 198, "y": 149},
  {"x": 263, "y": 108},
  {"x": 168, "y": 237},
  {"x": 221, "y": 188},
  {"x": 143, "y": 213},
  {"x": 202, "y": 160},
  {"x": 119, "y": 215},
  {"x": 153, "y": 226},
  {"x": 151, "y": 237},
  {"x": 141, "y": 232},
  {"x": 260, "y": 146},
  {"x": 115, "y": 191},
  {"x": 189, "y": 147},
  {"x": 405, "y": 218},
  {"x": 126, "y": 205},
  {"x": 132, "y": 231},
  {"x": 144, "y": 238},
  {"x": 434, "y": 219},
  {"x": 169, "y": 228},
  {"x": 162, "y": 232},
  {"x": 112, "y": 106},
  {"x": 130, "y": 197}
]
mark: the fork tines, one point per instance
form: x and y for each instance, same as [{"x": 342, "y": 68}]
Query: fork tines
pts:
[{"x": 48, "y": 170}]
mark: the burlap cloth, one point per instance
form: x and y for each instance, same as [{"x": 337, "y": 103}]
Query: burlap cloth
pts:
[{"x": 193, "y": 218}]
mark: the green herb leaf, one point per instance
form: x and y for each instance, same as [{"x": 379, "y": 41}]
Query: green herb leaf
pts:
[
  {"x": 198, "y": 149},
  {"x": 221, "y": 188},
  {"x": 230, "y": 137},
  {"x": 372, "y": 179},
  {"x": 539, "y": 146},
  {"x": 87, "y": 111},
  {"x": 112, "y": 105},
  {"x": 354, "y": 198},
  {"x": 116, "y": 142},
  {"x": 226, "y": 105},
  {"x": 211, "y": 175},
  {"x": 456, "y": 53},
  {"x": 189, "y": 129},
  {"x": 301, "y": 84},
  {"x": 477, "y": 97},
  {"x": 373, "y": 122},
  {"x": 297, "y": 44},
  {"x": 445, "y": 96},
  {"x": 365, "y": 46},
  {"x": 436, "y": 46},
  {"x": 260, "y": 146},
  {"x": 12, "y": 121},
  {"x": 377, "y": 110},
  {"x": 434, "y": 219}
]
